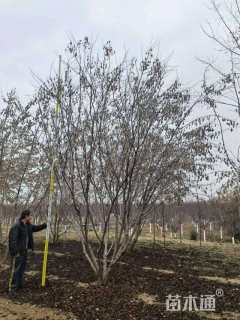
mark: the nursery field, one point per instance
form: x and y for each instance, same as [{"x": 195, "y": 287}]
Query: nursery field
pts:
[
  {"x": 120, "y": 160},
  {"x": 139, "y": 286}
]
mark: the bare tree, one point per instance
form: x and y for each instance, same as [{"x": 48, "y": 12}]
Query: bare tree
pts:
[
  {"x": 222, "y": 93},
  {"x": 126, "y": 133}
]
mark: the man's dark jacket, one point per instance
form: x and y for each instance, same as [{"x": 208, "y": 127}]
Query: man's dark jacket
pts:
[{"x": 21, "y": 237}]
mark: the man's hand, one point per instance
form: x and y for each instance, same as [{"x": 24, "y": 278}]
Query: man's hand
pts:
[{"x": 40, "y": 227}]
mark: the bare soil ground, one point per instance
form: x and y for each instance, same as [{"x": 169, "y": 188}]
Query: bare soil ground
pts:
[{"x": 137, "y": 288}]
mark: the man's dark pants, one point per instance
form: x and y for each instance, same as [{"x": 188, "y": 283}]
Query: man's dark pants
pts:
[{"x": 19, "y": 268}]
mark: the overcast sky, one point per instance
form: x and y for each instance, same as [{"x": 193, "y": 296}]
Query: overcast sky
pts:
[{"x": 33, "y": 33}]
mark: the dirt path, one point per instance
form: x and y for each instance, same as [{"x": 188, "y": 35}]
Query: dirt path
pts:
[{"x": 12, "y": 311}]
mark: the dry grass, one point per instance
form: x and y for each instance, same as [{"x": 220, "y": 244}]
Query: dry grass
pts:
[
  {"x": 234, "y": 281},
  {"x": 158, "y": 270},
  {"x": 147, "y": 298},
  {"x": 12, "y": 311},
  {"x": 222, "y": 316}
]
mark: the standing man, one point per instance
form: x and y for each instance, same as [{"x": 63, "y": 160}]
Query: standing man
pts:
[{"x": 20, "y": 240}]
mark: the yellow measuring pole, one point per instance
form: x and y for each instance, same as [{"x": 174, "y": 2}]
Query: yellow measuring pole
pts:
[
  {"x": 45, "y": 258},
  {"x": 51, "y": 191}
]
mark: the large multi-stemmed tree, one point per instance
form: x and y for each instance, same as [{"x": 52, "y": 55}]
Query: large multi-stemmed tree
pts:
[{"x": 126, "y": 136}]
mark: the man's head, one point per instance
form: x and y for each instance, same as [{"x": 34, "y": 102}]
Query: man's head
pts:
[{"x": 25, "y": 216}]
